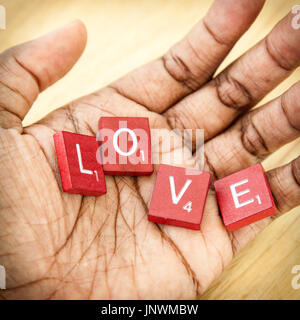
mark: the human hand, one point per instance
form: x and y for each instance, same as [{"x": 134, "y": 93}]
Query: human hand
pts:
[{"x": 66, "y": 246}]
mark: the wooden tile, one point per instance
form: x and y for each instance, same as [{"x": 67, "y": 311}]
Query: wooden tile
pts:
[
  {"x": 244, "y": 197},
  {"x": 179, "y": 197},
  {"x": 126, "y": 146},
  {"x": 79, "y": 170}
]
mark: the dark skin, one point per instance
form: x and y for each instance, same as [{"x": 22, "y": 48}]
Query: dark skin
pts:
[{"x": 63, "y": 246}]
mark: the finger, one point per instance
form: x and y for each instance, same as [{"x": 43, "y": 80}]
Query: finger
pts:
[
  {"x": 193, "y": 60},
  {"x": 256, "y": 135},
  {"x": 242, "y": 84},
  {"x": 285, "y": 186},
  {"x": 29, "y": 68}
]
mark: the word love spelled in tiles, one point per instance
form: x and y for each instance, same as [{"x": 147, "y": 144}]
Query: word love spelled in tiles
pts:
[{"x": 179, "y": 196}]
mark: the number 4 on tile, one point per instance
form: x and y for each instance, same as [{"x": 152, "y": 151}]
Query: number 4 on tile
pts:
[{"x": 188, "y": 206}]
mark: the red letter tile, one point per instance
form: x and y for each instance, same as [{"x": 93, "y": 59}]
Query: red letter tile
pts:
[
  {"x": 125, "y": 146},
  {"x": 77, "y": 162},
  {"x": 244, "y": 197},
  {"x": 179, "y": 197}
]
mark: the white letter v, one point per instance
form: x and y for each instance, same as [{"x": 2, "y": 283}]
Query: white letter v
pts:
[{"x": 176, "y": 198}]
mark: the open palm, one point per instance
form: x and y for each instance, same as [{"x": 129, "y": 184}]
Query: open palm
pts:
[{"x": 64, "y": 246}]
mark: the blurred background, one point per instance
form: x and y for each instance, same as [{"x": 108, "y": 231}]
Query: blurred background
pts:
[{"x": 122, "y": 35}]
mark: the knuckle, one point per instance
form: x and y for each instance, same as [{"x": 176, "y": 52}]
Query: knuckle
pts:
[
  {"x": 296, "y": 171},
  {"x": 252, "y": 140},
  {"x": 290, "y": 106},
  {"x": 16, "y": 83},
  {"x": 280, "y": 60},
  {"x": 214, "y": 35},
  {"x": 231, "y": 92},
  {"x": 280, "y": 194},
  {"x": 285, "y": 184},
  {"x": 179, "y": 70}
]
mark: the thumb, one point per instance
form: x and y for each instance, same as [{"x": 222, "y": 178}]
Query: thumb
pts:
[{"x": 29, "y": 68}]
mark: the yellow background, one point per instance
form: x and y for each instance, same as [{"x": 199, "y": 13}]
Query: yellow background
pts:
[{"x": 123, "y": 34}]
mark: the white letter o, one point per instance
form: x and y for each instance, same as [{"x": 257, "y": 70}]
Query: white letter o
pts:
[{"x": 134, "y": 142}]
